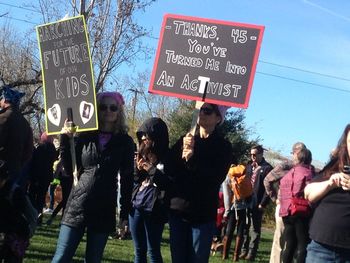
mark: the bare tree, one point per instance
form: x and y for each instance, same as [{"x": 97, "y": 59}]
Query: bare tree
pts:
[
  {"x": 115, "y": 35},
  {"x": 19, "y": 68},
  {"x": 115, "y": 38},
  {"x": 143, "y": 104}
]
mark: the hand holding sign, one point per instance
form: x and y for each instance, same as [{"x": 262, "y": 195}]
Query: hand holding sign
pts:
[
  {"x": 67, "y": 74},
  {"x": 187, "y": 148}
]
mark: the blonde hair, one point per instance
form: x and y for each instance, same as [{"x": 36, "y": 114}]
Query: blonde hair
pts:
[{"x": 120, "y": 125}]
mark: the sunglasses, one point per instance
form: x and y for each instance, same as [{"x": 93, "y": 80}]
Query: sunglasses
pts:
[
  {"x": 207, "y": 111},
  {"x": 112, "y": 108},
  {"x": 254, "y": 154}
]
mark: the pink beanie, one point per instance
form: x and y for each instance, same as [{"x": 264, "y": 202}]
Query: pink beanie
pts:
[
  {"x": 222, "y": 109},
  {"x": 114, "y": 95},
  {"x": 46, "y": 138}
]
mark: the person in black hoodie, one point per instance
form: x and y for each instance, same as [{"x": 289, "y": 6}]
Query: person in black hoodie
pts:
[
  {"x": 149, "y": 199},
  {"x": 91, "y": 205},
  {"x": 197, "y": 167},
  {"x": 41, "y": 172}
]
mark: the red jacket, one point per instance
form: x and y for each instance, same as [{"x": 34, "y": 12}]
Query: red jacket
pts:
[{"x": 297, "y": 178}]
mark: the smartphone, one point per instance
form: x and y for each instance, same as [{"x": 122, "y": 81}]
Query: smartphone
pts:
[{"x": 346, "y": 169}]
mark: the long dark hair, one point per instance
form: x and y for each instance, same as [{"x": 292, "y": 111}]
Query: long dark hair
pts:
[
  {"x": 339, "y": 157},
  {"x": 146, "y": 149}
]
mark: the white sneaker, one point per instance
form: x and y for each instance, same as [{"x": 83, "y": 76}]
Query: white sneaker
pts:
[{"x": 48, "y": 211}]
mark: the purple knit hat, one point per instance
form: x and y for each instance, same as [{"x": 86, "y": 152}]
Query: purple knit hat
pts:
[{"x": 114, "y": 95}]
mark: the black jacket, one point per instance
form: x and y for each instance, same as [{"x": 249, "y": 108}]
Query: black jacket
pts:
[
  {"x": 16, "y": 141},
  {"x": 259, "y": 191},
  {"x": 12, "y": 205},
  {"x": 93, "y": 201},
  {"x": 156, "y": 130},
  {"x": 196, "y": 183},
  {"x": 41, "y": 164}
]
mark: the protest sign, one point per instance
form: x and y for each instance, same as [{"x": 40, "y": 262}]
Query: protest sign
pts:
[
  {"x": 67, "y": 74},
  {"x": 206, "y": 60}
]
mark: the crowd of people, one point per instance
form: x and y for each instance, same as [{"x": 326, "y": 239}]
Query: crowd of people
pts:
[{"x": 179, "y": 185}]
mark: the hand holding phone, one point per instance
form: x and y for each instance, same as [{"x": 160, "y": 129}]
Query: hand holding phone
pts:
[
  {"x": 346, "y": 169},
  {"x": 345, "y": 178}
]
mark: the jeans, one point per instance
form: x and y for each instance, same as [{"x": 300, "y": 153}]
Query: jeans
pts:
[
  {"x": 320, "y": 253},
  {"x": 146, "y": 235},
  {"x": 190, "y": 243},
  {"x": 69, "y": 239},
  {"x": 296, "y": 238}
]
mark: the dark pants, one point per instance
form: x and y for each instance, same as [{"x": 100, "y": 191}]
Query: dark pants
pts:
[
  {"x": 12, "y": 248},
  {"x": 146, "y": 235},
  {"x": 37, "y": 194},
  {"x": 232, "y": 221},
  {"x": 252, "y": 230},
  {"x": 7, "y": 256},
  {"x": 296, "y": 238},
  {"x": 52, "y": 189},
  {"x": 190, "y": 243},
  {"x": 66, "y": 187}
]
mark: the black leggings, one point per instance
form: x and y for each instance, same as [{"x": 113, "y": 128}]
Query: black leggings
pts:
[
  {"x": 233, "y": 221},
  {"x": 296, "y": 238},
  {"x": 66, "y": 187}
]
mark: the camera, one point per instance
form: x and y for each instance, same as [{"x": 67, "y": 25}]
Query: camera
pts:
[{"x": 346, "y": 169}]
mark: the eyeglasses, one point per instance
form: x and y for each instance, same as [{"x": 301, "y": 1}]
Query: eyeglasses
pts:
[
  {"x": 207, "y": 111},
  {"x": 112, "y": 108}
]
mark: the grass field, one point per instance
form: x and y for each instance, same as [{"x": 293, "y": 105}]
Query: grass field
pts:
[{"x": 43, "y": 245}]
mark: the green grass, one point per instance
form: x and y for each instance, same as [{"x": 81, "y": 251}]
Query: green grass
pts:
[{"x": 43, "y": 244}]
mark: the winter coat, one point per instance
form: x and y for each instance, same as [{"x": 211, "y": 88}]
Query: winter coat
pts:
[
  {"x": 16, "y": 141},
  {"x": 196, "y": 182},
  {"x": 41, "y": 165},
  {"x": 93, "y": 201},
  {"x": 12, "y": 205}
]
